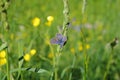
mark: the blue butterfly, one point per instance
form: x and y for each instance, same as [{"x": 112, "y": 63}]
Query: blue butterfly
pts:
[{"x": 59, "y": 39}]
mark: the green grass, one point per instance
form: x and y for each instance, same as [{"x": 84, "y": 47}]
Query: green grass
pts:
[{"x": 102, "y": 18}]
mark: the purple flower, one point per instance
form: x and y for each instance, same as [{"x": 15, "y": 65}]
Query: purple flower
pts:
[{"x": 59, "y": 39}]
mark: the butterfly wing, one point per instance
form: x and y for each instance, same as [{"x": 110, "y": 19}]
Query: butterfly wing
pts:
[
  {"x": 64, "y": 39},
  {"x": 54, "y": 41},
  {"x": 59, "y": 36}
]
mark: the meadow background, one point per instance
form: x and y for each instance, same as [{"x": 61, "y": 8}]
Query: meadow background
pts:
[{"x": 34, "y": 22}]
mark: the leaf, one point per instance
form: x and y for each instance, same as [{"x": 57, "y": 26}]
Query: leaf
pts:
[
  {"x": 3, "y": 46},
  {"x": 4, "y": 77},
  {"x": 36, "y": 70},
  {"x": 64, "y": 71}
]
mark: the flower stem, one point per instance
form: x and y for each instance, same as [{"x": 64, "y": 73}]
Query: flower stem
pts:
[
  {"x": 108, "y": 64},
  {"x": 56, "y": 65},
  {"x": 64, "y": 32},
  {"x": 84, "y": 41},
  {"x": 72, "y": 66},
  {"x": 66, "y": 17},
  {"x": 8, "y": 65}
]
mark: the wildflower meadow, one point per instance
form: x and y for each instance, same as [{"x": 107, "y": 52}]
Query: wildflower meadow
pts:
[{"x": 59, "y": 39}]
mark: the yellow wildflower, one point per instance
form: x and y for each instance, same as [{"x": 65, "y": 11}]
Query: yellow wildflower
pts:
[
  {"x": 80, "y": 48},
  {"x": 72, "y": 50},
  {"x": 33, "y": 52},
  {"x": 27, "y": 57},
  {"x": 50, "y": 18},
  {"x": 87, "y": 46},
  {"x": 3, "y": 61},
  {"x": 48, "y": 23},
  {"x": 50, "y": 55},
  {"x": 12, "y": 36},
  {"x": 47, "y": 40},
  {"x": 2, "y": 54},
  {"x": 36, "y": 22}
]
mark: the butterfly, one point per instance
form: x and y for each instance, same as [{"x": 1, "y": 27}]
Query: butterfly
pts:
[{"x": 59, "y": 39}]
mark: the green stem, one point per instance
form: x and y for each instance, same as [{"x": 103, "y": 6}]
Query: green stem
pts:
[
  {"x": 108, "y": 64},
  {"x": 65, "y": 28},
  {"x": 56, "y": 67},
  {"x": 4, "y": 16},
  {"x": 54, "y": 73},
  {"x": 85, "y": 56},
  {"x": 66, "y": 17},
  {"x": 4, "y": 21},
  {"x": 84, "y": 41},
  {"x": 20, "y": 63},
  {"x": 84, "y": 6},
  {"x": 8, "y": 65},
  {"x": 73, "y": 64}
]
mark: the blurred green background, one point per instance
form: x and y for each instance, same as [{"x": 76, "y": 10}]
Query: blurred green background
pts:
[{"x": 101, "y": 26}]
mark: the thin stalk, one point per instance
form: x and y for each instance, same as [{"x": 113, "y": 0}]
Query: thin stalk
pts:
[
  {"x": 56, "y": 62},
  {"x": 8, "y": 66},
  {"x": 56, "y": 75},
  {"x": 84, "y": 41},
  {"x": 85, "y": 56},
  {"x": 56, "y": 65},
  {"x": 66, "y": 17},
  {"x": 4, "y": 21},
  {"x": 108, "y": 64},
  {"x": 53, "y": 60},
  {"x": 20, "y": 63},
  {"x": 64, "y": 32},
  {"x": 73, "y": 64}
]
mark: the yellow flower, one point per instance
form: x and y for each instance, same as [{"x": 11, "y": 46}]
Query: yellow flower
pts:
[
  {"x": 12, "y": 36},
  {"x": 2, "y": 54},
  {"x": 33, "y": 52},
  {"x": 50, "y": 55},
  {"x": 87, "y": 46},
  {"x": 50, "y": 18},
  {"x": 3, "y": 61},
  {"x": 47, "y": 40},
  {"x": 27, "y": 57},
  {"x": 48, "y": 23},
  {"x": 80, "y": 48},
  {"x": 72, "y": 50},
  {"x": 36, "y": 22}
]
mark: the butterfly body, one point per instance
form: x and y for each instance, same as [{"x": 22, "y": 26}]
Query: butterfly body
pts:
[{"x": 59, "y": 39}]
